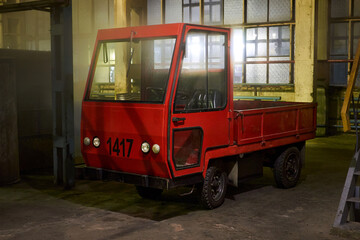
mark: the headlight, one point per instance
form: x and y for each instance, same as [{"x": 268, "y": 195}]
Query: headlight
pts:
[
  {"x": 156, "y": 148},
  {"x": 96, "y": 142},
  {"x": 87, "y": 141},
  {"x": 145, "y": 147}
]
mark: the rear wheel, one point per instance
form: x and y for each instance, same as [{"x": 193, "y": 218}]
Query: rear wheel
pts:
[
  {"x": 214, "y": 188},
  {"x": 150, "y": 193},
  {"x": 287, "y": 168}
]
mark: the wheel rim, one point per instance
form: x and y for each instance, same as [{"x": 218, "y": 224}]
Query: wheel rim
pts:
[
  {"x": 292, "y": 167},
  {"x": 217, "y": 186}
]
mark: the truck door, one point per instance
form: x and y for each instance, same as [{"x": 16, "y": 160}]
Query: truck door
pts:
[{"x": 200, "y": 102}]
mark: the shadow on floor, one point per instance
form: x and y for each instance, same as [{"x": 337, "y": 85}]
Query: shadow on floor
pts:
[
  {"x": 326, "y": 158},
  {"x": 123, "y": 198},
  {"x": 117, "y": 197}
]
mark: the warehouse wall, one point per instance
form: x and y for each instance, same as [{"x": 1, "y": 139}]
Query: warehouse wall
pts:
[
  {"x": 337, "y": 37},
  {"x": 9, "y": 154},
  {"x": 29, "y": 30},
  {"x": 34, "y": 115},
  {"x": 324, "y": 30},
  {"x": 25, "y": 42},
  {"x": 259, "y": 17}
]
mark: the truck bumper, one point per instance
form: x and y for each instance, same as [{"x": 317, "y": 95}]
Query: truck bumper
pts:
[{"x": 136, "y": 179}]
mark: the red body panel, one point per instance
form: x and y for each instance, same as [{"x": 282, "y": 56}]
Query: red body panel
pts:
[
  {"x": 125, "y": 121},
  {"x": 240, "y": 127}
]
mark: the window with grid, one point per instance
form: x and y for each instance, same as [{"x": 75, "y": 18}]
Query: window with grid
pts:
[
  {"x": 267, "y": 55},
  {"x": 263, "y": 34},
  {"x": 213, "y": 11},
  {"x": 191, "y": 11},
  {"x": 263, "y": 44},
  {"x": 11, "y": 34},
  {"x": 344, "y": 37}
]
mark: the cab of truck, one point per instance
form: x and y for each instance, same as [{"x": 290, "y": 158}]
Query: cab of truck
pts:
[
  {"x": 156, "y": 99},
  {"x": 158, "y": 112}
]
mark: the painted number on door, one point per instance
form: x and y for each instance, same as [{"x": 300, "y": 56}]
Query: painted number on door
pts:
[{"x": 119, "y": 147}]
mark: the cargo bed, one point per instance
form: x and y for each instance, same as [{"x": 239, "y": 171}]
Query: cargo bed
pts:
[{"x": 269, "y": 124}]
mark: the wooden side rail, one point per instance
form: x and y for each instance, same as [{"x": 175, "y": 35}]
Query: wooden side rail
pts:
[{"x": 349, "y": 90}]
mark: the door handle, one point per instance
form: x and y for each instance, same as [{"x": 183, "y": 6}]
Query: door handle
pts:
[{"x": 176, "y": 119}]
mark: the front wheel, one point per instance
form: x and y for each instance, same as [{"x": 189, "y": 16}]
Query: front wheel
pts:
[
  {"x": 214, "y": 188},
  {"x": 287, "y": 168}
]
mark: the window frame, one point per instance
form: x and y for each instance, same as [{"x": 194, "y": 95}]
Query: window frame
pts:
[
  {"x": 99, "y": 44},
  {"x": 207, "y": 75},
  {"x": 245, "y": 63},
  {"x": 211, "y": 4},
  {"x": 190, "y": 5},
  {"x": 334, "y": 59},
  {"x": 244, "y": 25}
]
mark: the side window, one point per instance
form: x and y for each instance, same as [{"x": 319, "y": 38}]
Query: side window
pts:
[{"x": 202, "y": 82}]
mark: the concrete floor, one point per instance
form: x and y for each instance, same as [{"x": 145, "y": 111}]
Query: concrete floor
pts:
[{"x": 36, "y": 209}]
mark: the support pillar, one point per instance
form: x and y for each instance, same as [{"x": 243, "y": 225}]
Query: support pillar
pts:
[
  {"x": 9, "y": 150},
  {"x": 120, "y": 13},
  {"x": 62, "y": 95},
  {"x": 322, "y": 68},
  {"x": 1, "y": 32},
  {"x": 304, "y": 50}
]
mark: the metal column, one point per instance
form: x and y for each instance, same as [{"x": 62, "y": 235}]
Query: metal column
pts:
[
  {"x": 62, "y": 82},
  {"x": 62, "y": 95}
]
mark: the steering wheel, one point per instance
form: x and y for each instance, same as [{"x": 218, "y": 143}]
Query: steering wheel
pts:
[{"x": 198, "y": 100}]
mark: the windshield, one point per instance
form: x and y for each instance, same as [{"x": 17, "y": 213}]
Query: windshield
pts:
[{"x": 134, "y": 70}]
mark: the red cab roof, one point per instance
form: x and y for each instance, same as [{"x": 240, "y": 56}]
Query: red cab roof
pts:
[{"x": 149, "y": 31}]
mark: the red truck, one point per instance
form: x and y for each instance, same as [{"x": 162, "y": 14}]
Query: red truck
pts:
[{"x": 158, "y": 112}]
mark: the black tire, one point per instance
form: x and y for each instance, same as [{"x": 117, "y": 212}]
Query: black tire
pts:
[
  {"x": 214, "y": 188},
  {"x": 287, "y": 168},
  {"x": 149, "y": 193}
]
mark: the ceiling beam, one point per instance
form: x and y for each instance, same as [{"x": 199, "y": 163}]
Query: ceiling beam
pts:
[{"x": 42, "y": 5}]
